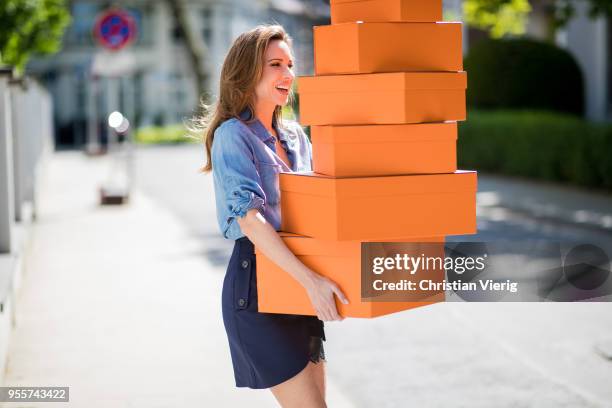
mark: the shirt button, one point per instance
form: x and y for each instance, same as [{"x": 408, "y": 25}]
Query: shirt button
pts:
[
  {"x": 241, "y": 302},
  {"x": 245, "y": 263}
]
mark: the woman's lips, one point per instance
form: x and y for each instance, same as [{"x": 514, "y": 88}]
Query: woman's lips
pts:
[{"x": 282, "y": 91}]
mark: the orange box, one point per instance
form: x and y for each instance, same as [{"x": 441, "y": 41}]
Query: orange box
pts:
[
  {"x": 385, "y": 10},
  {"x": 357, "y": 48},
  {"x": 278, "y": 292},
  {"x": 378, "y": 208},
  {"x": 399, "y": 97},
  {"x": 379, "y": 150}
]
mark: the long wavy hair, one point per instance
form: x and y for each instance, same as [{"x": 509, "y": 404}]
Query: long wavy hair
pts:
[{"x": 242, "y": 69}]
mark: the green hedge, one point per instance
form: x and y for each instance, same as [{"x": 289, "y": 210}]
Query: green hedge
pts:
[
  {"x": 523, "y": 74},
  {"x": 163, "y": 134},
  {"x": 537, "y": 144}
]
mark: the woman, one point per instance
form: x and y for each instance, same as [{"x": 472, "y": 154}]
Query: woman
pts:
[{"x": 249, "y": 144}]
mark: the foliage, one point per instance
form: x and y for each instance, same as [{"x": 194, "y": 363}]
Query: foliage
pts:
[
  {"x": 164, "y": 134},
  {"x": 537, "y": 144},
  {"x": 523, "y": 73},
  {"x": 288, "y": 112},
  {"x": 503, "y": 17},
  {"x": 30, "y": 27},
  {"x": 499, "y": 17},
  {"x": 566, "y": 9}
]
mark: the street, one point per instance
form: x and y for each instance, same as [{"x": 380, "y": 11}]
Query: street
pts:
[
  {"x": 122, "y": 305},
  {"x": 487, "y": 354}
]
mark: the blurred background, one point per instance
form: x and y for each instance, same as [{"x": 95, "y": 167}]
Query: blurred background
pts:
[{"x": 111, "y": 261}]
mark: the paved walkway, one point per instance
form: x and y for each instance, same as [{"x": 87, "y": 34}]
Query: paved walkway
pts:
[{"x": 119, "y": 305}]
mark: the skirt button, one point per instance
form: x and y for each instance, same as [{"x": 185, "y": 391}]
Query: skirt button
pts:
[{"x": 245, "y": 263}]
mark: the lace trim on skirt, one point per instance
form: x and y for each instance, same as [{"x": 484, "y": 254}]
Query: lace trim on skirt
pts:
[{"x": 317, "y": 353}]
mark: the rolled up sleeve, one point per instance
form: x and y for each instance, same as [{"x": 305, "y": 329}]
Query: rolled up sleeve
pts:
[
  {"x": 243, "y": 201},
  {"x": 235, "y": 174}
]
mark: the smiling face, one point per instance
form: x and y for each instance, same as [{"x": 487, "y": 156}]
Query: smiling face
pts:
[{"x": 277, "y": 74}]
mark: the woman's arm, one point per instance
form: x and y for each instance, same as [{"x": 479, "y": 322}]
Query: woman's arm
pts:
[{"x": 320, "y": 289}]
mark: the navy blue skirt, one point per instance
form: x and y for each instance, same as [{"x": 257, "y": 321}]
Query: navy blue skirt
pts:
[{"x": 266, "y": 348}]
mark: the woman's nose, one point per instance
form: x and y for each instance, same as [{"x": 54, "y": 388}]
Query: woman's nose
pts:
[{"x": 288, "y": 74}]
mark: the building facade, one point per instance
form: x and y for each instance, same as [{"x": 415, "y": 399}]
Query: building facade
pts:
[
  {"x": 590, "y": 42},
  {"x": 151, "y": 81}
]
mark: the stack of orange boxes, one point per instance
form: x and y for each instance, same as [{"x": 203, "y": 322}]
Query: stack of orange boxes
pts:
[{"x": 382, "y": 106}]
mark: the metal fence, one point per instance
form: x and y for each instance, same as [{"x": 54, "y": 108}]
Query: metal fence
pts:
[{"x": 25, "y": 138}]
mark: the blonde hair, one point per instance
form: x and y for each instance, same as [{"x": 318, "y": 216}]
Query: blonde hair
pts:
[{"x": 242, "y": 69}]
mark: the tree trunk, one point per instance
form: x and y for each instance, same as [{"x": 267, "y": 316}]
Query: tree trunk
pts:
[{"x": 195, "y": 46}]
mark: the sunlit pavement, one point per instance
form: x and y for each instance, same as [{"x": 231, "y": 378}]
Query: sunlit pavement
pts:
[
  {"x": 118, "y": 304},
  {"x": 122, "y": 304}
]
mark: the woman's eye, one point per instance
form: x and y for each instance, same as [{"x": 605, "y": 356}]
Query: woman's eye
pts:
[{"x": 277, "y": 64}]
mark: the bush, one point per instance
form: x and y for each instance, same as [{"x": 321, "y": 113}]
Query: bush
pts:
[
  {"x": 537, "y": 144},
  {"x": 163, "y": 134},
  {"x": 524, "y": 74}
]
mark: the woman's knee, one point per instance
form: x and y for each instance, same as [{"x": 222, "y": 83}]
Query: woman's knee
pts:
[{"x": 301, "y": 390}]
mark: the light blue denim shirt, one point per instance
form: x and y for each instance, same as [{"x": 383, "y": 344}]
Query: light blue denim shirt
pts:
[{"x": 246, "y": 169}]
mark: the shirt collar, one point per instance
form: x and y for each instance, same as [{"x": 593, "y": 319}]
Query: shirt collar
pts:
[{"x": 258, "y": 128}]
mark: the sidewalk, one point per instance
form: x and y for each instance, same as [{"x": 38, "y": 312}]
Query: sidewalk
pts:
[{"x": 118, "y": 304}]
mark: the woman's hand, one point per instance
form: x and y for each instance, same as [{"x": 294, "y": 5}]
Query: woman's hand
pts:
[{"x": 321, "y": 291}]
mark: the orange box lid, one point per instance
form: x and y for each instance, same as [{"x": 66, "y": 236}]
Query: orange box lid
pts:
[
  {"x": 303, "y": 245},
  {"x": 343, "y": 1},
  {"x": 321, "y": 185},
  {"x": 376, "y": 47},
  {"x": 391, "y": 81},
  {"x": 396, "y": 1},
  {"x": 385, "y": 10},
  {"x": 412, "y": 132}
]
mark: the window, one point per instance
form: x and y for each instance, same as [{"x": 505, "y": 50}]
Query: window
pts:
[
  {"x": 80, "y": 31},
  {"x": 207, "y": 23}
]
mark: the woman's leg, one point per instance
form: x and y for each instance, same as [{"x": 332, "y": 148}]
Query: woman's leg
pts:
[
  {"x": 319, "y": 374},
  {"x": 302, "y": 390}
]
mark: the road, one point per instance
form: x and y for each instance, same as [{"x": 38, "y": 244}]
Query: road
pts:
[{"x": 449, "y": 354}]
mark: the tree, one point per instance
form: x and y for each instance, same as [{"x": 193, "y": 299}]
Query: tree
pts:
[
  {"x": 503, "y": 17},
  {"x": 498, "y": 17},
  {"x": 30, "y": 27},
  {"x": 195, "y": 46}
]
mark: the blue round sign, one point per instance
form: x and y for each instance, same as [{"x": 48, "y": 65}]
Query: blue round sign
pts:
[{"x": 114, "y": 29}]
